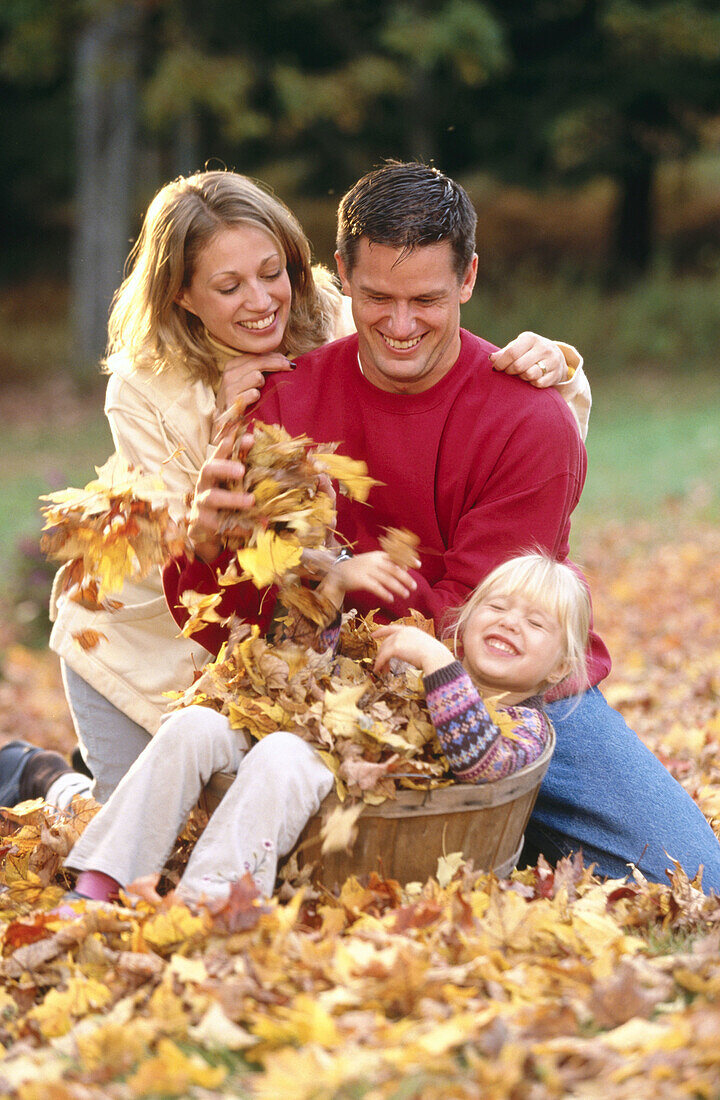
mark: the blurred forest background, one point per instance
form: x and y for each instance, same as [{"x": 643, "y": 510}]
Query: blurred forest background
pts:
[{"x": 586, "y": 131}]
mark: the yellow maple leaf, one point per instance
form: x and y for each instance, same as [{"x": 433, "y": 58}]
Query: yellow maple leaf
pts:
[
  {"x": 341, "y": 714},
  {"x": 447, "y": 867},
  {"x": 339, "y": 828},
  {"x": 55, "y": 1015},
  {"x": 270, "y": 559},
  {"x": 172, "y": 1073},
  {"x": 173, "y": 928},
  {"x": 259, "y": 716},
  {"x": 305, "y": 1021},
  {"x": 117, "y": 561},
  {"x": 167, "y": 1008},
  {"x": 201, "y": 608},
  {"x": 216, "y": 1032},
  {"x": 350, "y": 474},
  {"x": 116, "y": 1047}
]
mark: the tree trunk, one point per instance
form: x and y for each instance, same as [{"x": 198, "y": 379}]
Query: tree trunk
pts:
[
  {"x": 106, "y": 139},
  {"x": 635, "y": 216}
]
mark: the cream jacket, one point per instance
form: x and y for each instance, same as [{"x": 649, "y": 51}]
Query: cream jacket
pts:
[{"x": 162, "y": 423}]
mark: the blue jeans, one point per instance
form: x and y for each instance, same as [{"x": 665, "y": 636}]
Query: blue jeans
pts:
[{"x": 606, "y": 793}]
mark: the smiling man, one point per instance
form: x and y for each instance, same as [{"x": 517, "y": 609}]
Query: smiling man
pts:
[
  {"x": 481, "y": 469},
  {"x": 407, "y": 312}
]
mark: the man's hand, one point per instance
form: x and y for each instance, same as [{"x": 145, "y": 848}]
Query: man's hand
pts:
[
  {"x": 241, "y": 382},
  {"x": 533, "y": 358},
  {"x": 374, "y": 572},
  {"x": 212, "y": 499},
  {"x": 410, "y": 644}
]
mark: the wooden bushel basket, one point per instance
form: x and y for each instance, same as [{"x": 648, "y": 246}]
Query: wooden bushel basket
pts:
[{"x": 405, "y": 837}]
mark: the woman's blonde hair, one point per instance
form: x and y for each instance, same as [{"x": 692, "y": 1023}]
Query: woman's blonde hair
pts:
[
  {"x": 552, "y": 586},
  {"x": 146, "y": 320}
]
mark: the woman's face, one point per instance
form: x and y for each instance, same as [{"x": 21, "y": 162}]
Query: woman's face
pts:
[{"x": 241, "y": 290}]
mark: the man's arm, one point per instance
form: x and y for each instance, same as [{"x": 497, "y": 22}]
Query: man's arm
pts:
[{"x": 213, "y": 499}]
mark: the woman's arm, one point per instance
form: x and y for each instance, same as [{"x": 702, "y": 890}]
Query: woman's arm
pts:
[
  {"x": 548, "y": 364},
  {"x": 142, "y": 437}
]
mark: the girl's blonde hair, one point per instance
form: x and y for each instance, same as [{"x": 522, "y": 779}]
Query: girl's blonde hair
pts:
[
  {"x": 146, "y": 320},
  {"x": 555, "y": 588}
]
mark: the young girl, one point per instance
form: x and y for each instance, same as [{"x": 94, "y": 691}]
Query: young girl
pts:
[
  {"x": 523, "y": 629},
  {"x": 220, "y": 291}
]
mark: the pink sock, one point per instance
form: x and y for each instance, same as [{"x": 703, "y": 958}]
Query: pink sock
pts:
[{"x": 97, "y": 885}]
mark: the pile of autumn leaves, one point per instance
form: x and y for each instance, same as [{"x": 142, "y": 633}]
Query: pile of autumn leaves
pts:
[{"x": 549, "y": 984}]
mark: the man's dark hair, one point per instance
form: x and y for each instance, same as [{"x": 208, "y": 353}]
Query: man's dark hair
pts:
[{"x": 406, "y": 205}]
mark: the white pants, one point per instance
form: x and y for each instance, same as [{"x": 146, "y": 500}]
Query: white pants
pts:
[{"x": 280, "y": 784}]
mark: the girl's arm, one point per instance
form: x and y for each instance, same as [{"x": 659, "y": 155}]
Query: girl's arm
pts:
[
  {"x": 478, "y": 748},
  {"x": 528, "y": 354},
  {"x": 373, "y": 572},
  {"x": 480, "y": 745}
]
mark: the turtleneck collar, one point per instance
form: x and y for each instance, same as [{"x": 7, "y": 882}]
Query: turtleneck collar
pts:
[{"x": 224, "y": 351}]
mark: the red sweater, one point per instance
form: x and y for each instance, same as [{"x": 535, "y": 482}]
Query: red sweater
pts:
[{"x": 478, "y": 467}]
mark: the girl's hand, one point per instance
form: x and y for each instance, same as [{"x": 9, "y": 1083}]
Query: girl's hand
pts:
[
  {"x": 212, "y": 498},
  {"x": 242, "y": 380},
  {"x": 533, "y": 358},
  {"x": 410, "y": 644},
  {"x": 374, "y": 571}
]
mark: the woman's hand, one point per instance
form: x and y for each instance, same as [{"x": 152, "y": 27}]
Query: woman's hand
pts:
[
  {"x": 374, "y": 572},
  {"x": 533, "y": 358},
  {"x": 212, "y": 499},
  {"x": 410, "y": 644},
  {"x": 241, "y": 382}
]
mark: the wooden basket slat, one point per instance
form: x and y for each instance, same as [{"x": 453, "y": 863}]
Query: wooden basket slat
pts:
[{"x": 404, "y": 837}]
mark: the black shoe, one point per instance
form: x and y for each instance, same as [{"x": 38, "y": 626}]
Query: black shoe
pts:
[{"x": 14, "y": 758}]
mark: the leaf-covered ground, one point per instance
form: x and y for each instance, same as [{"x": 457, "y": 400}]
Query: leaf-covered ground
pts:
[{"x": 549, "y": 985}]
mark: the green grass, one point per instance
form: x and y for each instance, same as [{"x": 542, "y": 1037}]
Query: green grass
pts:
[
  {"x": 654, "y": 441},
  {"x": 39, "y": 457},
  {"x": 664, "y": 322}
]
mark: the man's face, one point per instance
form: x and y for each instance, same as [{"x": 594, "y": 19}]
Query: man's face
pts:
[{"x": 407, "y": 313}]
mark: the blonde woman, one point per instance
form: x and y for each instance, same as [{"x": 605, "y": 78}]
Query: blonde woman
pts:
[{"x": 220, "y": 291}]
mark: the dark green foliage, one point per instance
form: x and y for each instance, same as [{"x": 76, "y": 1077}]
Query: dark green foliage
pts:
[{"x": 307, "y": 94}]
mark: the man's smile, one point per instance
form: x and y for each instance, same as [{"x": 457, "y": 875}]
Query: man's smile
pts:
[{"x": 401, "y": 345}]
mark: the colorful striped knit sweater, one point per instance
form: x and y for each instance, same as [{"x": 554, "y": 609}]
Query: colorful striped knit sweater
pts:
[{"x": 476, "y": 748}]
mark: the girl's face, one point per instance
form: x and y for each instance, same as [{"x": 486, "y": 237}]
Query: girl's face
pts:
[
  {"x": 512, "y": 646},
  {"x": 241, "y": 290}
]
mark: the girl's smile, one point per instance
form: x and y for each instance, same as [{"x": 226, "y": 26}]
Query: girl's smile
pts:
[{"x": 512, "y": 647}]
